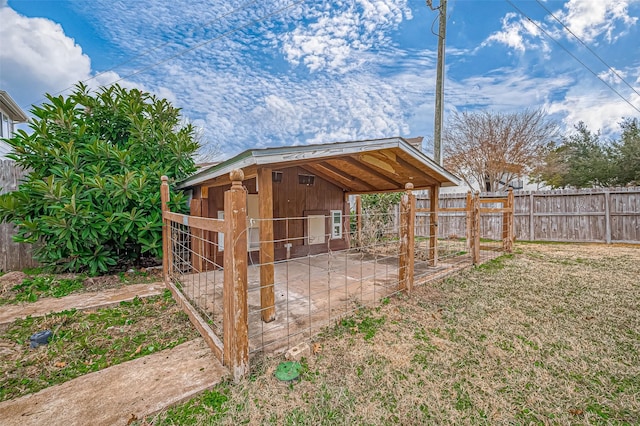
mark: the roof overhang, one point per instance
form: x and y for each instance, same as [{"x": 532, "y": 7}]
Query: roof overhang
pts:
[
  {"x": 12, "y": 109},
  {"x": 368, "y": 166}
]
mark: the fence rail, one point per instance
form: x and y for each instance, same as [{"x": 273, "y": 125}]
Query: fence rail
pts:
[
  {"x": 607, "y": 215},
  {"x": 13, "y": 256}
]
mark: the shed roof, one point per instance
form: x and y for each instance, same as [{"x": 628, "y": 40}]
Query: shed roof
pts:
[{"x": 357, "y": 166}]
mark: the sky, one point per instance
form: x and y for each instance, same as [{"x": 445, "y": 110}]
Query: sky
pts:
[{"x": 254, "y": 74}]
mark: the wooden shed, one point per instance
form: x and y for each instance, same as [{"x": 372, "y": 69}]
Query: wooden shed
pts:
[{"x": 313, "y": 183}]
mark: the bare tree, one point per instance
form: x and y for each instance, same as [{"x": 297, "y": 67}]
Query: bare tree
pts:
[{"x": 489, "y": 150}]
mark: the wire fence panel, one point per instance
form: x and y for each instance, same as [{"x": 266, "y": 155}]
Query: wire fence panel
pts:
[
  {"x": 316, "y": 284},
  {"x": 196, "y": 276}
]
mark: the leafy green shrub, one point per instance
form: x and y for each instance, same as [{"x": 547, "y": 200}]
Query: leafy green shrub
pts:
[{"x": 92, "y": 198}]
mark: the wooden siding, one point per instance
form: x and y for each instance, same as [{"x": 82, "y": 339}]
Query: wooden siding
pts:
[
  {"x": 295, "y": 201},
  {"x": 13, "y": 256},
  {"x": 610, "y": 215}
]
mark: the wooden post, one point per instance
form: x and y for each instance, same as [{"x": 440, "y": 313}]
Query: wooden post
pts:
[
  {"x": 235, "y": 315},
  {"x": 346, "y": 221},
  {"x": 164, "y": 197},
  {"x": 265, "y": 207},
  {"x": 434, "y": 196},
  {"x": 475, "y": 229},
  {"x": 532, "y": 235},
  {"x": 507, "y": 223},
  {"x": 468, "y": 206},
  {"x": 407, "y": 234},
  {"x": 358, "y": 221},
  {"x": 512, "y": 220},
  {"x": 607, "y": 217},
  {"x": 197, "y": 244}
]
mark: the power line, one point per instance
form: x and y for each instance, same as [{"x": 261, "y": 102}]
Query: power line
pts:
[
  {"x": 180, "y": 53},
  {"x": 573, "y": 56},
  {"x": 588, "y": 48}
]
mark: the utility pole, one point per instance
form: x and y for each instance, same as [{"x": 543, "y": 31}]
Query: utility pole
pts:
[{"x": 439, "y": 113}]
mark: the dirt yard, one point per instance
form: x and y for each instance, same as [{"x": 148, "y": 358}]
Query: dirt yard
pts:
[{"x": 549, "y": 335}]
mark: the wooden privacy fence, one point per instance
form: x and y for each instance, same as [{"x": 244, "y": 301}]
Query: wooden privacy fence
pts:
[
  {"x": 13, "y": 256},
  {"x": 609, "y": 215}
]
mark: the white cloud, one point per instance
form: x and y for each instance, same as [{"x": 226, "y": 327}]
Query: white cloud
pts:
[
  {"x": 37, "y": 57},
  {"x": 333, "y": 35},
  {"x": 590, "y": 19},
  {"x": 516, "y": 33}
]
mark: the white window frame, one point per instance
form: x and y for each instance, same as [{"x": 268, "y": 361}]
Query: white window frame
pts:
[
  {"x": 221, "y": 234},
  {"x": 336, "y": 228}
]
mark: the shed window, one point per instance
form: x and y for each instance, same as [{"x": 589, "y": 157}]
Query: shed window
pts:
[
  {"x": 336, "y": 224},
  {"x": 306, "y": 179}
]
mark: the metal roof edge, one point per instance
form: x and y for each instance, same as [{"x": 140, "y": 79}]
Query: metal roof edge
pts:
[
  {"x": 7, "y": 101},
  {"x": 276, "y": 155}
]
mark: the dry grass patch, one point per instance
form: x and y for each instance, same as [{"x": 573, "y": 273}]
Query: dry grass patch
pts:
[{"x": 550, "y": 335}]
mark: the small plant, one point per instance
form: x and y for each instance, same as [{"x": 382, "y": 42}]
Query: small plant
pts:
[{"x": 31, "y": 289}]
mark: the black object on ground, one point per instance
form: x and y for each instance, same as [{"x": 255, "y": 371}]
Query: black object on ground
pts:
[{"x": 40, "y": 338}]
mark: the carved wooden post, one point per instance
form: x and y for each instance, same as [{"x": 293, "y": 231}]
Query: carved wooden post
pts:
[
  {"x": 235, "y": 315},
  {"x": 475, "y": 229},
  {"x": 434, "y": 195},
  {"x": 164, "y": 197},
  {"x": 265, "y": 207},
  {"x": 407, "y": 236}
]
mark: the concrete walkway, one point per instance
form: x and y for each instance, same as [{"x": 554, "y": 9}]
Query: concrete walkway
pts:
[
  {"x": 116, "y": 394},
  {"x": 80, "y": 301}
]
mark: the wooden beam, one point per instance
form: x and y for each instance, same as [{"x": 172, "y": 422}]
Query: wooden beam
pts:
[
  {"x": 415, "y": 170},
  {"x": 372, "y": 171},
  {"x": 265, "y": 207},
  {"x": 235, "y": 310},
  {"x": 320, "y": 173},
  {"x": 205, "y": 223},
  {"x": 343, "y": 175}
]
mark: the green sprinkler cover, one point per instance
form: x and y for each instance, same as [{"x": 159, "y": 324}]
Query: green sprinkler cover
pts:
[{"x": 287, "y": 371}]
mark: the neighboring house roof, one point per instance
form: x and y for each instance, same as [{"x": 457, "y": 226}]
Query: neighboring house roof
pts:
[
  {"x": 356, "y": 166},
  {"x": 8, "y": 105}
]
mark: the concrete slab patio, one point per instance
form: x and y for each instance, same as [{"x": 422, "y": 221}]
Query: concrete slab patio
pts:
[{"x": 114, "y": 395}]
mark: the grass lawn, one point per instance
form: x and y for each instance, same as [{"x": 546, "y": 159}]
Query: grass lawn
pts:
[
  {"x": 87, "y": 341},
  {"x": 550, "y": 335}
]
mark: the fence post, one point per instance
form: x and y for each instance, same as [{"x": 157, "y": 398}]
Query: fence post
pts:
[
  {"x": 358, "y": 221},
  {"x": 267, "y": 280},
  {"x": 532, "y": 235},
  {"x": 164, "y": 197},
  {"x": 475, "y": 229},
  {"x": 507, "y": 223},
  {"x": 407, "y": 237},
  {"x": 197, "y": 238},
  {"x": 469, "y": 207},
  {"x": 607, "y": 217},
  {"x": 235, "y": 315},
  {"x": 434, "y": 195}
]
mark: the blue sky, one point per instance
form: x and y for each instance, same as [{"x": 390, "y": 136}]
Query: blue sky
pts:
[{"x": 285, "y": 72}]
